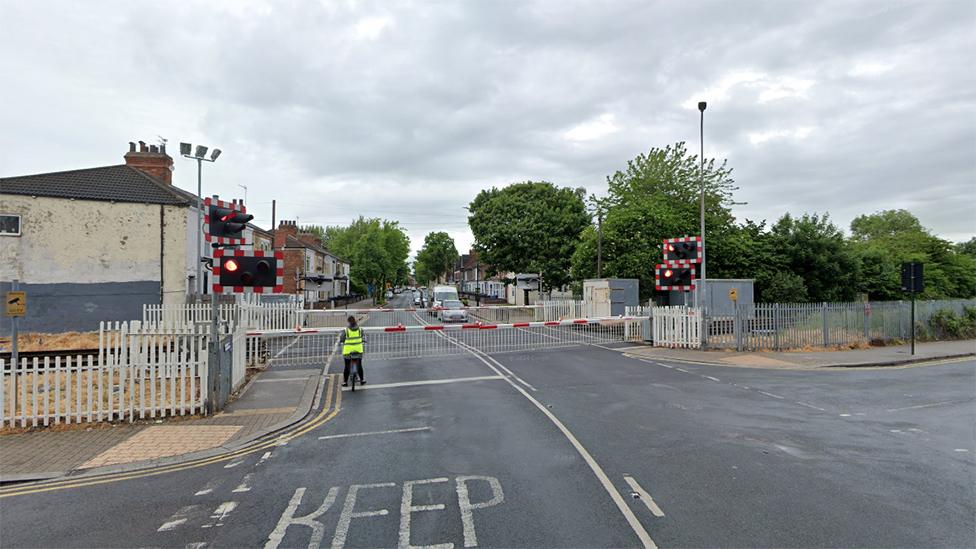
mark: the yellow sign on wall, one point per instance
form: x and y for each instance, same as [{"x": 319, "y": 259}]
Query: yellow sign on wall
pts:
[
  {"x": 16, "y": 303},
  {"x": 734, "y": 294}
]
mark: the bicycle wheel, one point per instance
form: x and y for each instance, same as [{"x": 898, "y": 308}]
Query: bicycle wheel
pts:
[{"x": 353, "y": 374}]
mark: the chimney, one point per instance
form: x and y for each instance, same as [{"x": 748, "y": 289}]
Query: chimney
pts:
[
  {"x": 285, "y": 229},
  {"x": 151, "y": 160}
]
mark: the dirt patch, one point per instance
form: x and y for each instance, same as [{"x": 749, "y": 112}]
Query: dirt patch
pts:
[{"x": 67, "y": 341}]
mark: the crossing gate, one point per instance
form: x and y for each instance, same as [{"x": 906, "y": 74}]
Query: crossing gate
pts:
[{"x": 677, "y": 327}]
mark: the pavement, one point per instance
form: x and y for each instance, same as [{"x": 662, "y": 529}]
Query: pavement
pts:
[
  {"x": 892, "y": 355},
  {"x": 274, "y": 399},
  {"x": 578, "y": 447}
]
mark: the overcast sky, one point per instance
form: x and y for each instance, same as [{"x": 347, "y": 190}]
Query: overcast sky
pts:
[{"x": 405, "y": 110}]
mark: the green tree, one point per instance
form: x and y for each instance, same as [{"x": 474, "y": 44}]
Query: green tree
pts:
[
  {"x": 657, "y": 197},
  {"x": 814, "y": 249},
  {"x": 530, "y": 227},
  {"x": 436, "y": 258},
  {"x": 883, "y": 240},
  {"x": 376, "y": 249}
]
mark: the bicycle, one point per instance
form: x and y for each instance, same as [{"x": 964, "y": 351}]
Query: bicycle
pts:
[{"x": 355, "y": 361}]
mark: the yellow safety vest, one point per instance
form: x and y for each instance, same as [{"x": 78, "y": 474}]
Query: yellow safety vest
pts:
[{"x": 353, "y": 342}]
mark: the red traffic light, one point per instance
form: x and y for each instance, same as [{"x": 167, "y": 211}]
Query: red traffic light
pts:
[
  {"x": 668, "y": 273},
  {"x": 230, "y": 265}
]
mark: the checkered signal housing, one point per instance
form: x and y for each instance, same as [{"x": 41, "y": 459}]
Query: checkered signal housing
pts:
[
  {"x": 279, "y": 273},
  {"x": 209, "y": 201},
  {"x": 661, "y": 285},
  {"x": 689, "y": 261}
]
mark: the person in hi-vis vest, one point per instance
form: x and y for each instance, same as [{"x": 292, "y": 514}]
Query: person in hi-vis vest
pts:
[{"x": 352, "y": 339}]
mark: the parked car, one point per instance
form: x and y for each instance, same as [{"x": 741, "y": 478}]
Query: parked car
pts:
[
  {"x": 453, "y": 311},
  {"x": 416, "y": 298}
]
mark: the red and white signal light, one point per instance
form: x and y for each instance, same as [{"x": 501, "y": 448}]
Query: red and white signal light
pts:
[
  {"x": 681, "y": 255},
  {"x": 260, "y": 273}
]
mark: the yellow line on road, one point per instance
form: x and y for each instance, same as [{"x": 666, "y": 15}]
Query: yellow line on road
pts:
[{"x": 328, "y": 412}]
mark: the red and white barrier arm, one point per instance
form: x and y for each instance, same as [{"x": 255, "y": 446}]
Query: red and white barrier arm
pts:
[{"x": 454, "y": 327}]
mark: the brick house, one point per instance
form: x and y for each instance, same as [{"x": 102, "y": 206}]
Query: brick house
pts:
[
  {"x": 312, "y": 272},
  {"x": 96, "y": 244}
]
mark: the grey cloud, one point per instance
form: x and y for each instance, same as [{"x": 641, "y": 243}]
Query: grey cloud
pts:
[{"x": 451, "y": 98}]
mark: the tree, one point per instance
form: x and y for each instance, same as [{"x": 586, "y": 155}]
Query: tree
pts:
[
  {"x": 885, "y": 239},
  {"x": 377, "y": 250},
  {"x": 814, "y": 249},
  {"x": 657, "y": 197},
  {"x": 529, "y": 227},
  {"x": 436, "y": 258}
]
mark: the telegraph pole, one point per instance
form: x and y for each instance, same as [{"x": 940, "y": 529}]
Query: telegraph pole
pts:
[{"x": 599, "y": 243}]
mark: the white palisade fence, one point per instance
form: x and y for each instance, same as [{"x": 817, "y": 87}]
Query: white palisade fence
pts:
[
  {"x": 140, "y": 372},
  {"x": 677, "y": 327}
]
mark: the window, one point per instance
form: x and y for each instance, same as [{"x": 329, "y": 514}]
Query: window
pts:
[{"x": 9, "y": 225}]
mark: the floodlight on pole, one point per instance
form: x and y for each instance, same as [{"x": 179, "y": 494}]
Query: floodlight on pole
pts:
[{"x": 200, "y": 156}]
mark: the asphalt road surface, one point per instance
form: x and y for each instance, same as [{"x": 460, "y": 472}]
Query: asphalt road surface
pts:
[{"x": 580, "y": 447}]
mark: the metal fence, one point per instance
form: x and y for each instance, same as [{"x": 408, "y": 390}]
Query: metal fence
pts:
[
  {"x": 780, "y": 326},
  {"x": 315, "y": 346}
]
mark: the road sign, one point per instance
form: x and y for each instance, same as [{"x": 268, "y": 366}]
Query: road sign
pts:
[
  {"x": 734, "y": 294},
  {"x": 16, "y": 303},
  {"x": 911, "y": 277}
]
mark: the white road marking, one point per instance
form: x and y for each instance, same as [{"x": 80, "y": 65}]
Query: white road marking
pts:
[
  {"x": 285, "y": 348},
  {"x": 845, "y": 415},
  {"x": 243, "y": 486},
  {"x": 265, "y": 457},
  {"x": 665, "y": 365},
  {"x": 283, "y": 379},
  {"x": 598, "y": 471},
  {"x": 771, "y": 395},
  {"x": 644, "y": 496},
  {"x": 407, "y": 507},
  {"x": 196, "y": 545},
  {"x": 810, "y": 406},
  {"x": 933, "y": 404},
  {"x": 207, "y": 488},
  {"x": 178, "y": 518},
  {"x": 425, "y": 382},
  {"x": 464, "y": 502},
  {"x": 288, "y": 518},
  {"x": 220, "y": 513},
  {"x": 712, "y": 378},
  {"x": 232, "y": 465},
  {"x": 391, "y": 431},
  {"x": 682, "y": 370},
  {"x": 349, "y": 513},
  {"x": 960, "y": 450}
]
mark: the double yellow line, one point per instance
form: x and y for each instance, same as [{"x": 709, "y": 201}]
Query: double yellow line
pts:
[{"x": 333, "y": 403}]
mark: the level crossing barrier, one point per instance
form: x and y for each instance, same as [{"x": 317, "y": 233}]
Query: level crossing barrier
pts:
[{"x": 314, "y": 346}]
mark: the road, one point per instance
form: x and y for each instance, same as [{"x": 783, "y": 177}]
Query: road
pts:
[{"x": 582, "y": 447}]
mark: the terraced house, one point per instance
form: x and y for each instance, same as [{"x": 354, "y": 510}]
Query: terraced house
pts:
[{"x": 97, "y": 243}]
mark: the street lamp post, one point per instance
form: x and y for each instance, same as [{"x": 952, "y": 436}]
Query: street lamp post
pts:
[
  {"x": 186, "y": 149},
  {"x": 700, "y": 302}
]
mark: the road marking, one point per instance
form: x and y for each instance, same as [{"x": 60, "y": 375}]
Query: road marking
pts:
[
  {"x": 285, "y": 348},
  {"x": 264, "y": 457},
  {"x": 464, "y": 502},
  {"x": 328, "y": 412},
  {"x": 598, "y": 471},
  {"x": 810, "y": 406},
  {"x": 644, "y": 496},
  {"x": 288, "y": 518},
  {"x": 845, "y": 415},
  {"x": 771, "y": 395},
  {"x": 196, "y": 545},
  {"x": 232, "y": 465},
  {"x": 407, "y": 507},
  {"x": 284, "y": 379},
  {"x": 177, "y": 519},
  {"x": 207, "y": 488},
  {"x": 682, "y": 370},
  {"x": 425, "y": 382},
  {"x": 391, "y": 431},
  {"x": 931, "y": 405},
  {"x": 220, "y": 513},
  {"x": 665, "y": 365},
  {"x": 712, "y": 378},
  {"x": 960, "y": 450},
  {"x": 349, "y": 513},
  {"x": 243, "y": 486}
]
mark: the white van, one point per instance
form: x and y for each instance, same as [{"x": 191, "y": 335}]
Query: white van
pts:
[{"x": 443, "y": 293}]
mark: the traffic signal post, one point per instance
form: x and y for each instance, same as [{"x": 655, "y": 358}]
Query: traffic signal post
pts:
[{"x": 912, "y": 282}]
